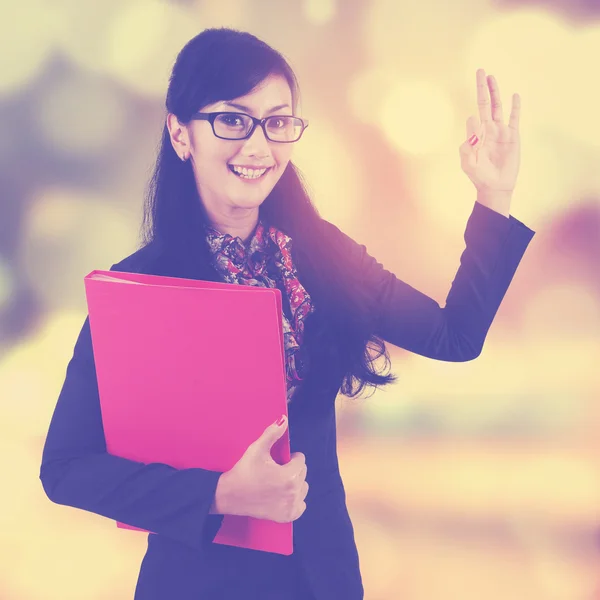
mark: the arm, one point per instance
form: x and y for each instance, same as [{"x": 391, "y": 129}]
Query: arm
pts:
[
  {"x": 409, "y": 319},
  {"x": 77, "y": 471}
]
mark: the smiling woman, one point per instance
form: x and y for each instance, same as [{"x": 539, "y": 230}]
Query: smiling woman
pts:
[
  {"x": 225, "y": 168},
  {"x": 226, "y": 203}
]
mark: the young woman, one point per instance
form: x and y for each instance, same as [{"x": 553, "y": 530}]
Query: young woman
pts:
[{"x": 224, "y": 204}]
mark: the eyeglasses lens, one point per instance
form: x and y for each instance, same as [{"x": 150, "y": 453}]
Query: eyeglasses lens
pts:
[{"x": 278, "y": 129}]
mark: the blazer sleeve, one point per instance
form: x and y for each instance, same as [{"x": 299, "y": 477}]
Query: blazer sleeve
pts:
[
  {"x": 77, "y": 471},
  {"x": 412, "y": 320}
]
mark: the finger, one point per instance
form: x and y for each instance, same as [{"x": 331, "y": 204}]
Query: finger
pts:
[
  {"x": 495, "y": 99},
  {"x": 515, "y": 113},
  {"x": 483, "y": 97},
  {"x": 468, "y": 154},
  {"x": 296, "y": 468},
  {"x": 297, "y": 458},
  {"x": 304, "y": 490},
  {"x": 475, "y": 133},
  {"x": 473, "y": 128},
  {"x": 299, "y": 511},
  {"x": 298, "y": 475}
]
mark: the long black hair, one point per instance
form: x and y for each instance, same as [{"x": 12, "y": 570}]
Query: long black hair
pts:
[{"x": 224, "y": 64}]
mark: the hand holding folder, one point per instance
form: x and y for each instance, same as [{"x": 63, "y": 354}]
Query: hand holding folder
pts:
[
  {"x": 190, "y": 373},
  {"x": 264, "y": 489}
]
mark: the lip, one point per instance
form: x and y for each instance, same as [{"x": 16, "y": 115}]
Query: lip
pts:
[
  {"x": 256, "y": 167},
  {"x": 256, "y": 180}
]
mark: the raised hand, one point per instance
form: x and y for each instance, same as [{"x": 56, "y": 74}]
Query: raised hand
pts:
[{"x": 492, "y": 152}]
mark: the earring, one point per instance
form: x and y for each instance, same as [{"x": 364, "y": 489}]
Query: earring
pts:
[{"x": 184, "y": 156}]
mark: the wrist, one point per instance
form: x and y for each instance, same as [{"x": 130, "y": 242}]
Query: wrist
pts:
[
  {"x": 498, "y": 201},
  {"x": 221, "y": 504}
]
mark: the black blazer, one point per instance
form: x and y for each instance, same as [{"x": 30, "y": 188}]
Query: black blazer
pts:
[{"x": 181, "y": 561}]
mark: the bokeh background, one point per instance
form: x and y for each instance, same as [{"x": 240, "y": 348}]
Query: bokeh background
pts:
[{"x": 465, "y": 481}]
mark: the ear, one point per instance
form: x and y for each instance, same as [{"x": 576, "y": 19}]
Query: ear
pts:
[{"x": 180, "y": 138}]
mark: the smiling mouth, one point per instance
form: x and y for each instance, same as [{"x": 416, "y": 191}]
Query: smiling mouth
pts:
[{"x": 249, "y": 174}]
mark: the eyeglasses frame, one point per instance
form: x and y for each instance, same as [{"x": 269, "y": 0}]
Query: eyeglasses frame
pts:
[{"x": 211, "y": 116}]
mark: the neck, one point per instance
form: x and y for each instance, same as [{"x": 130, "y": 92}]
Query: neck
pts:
[{"x": 241, "y": 226}]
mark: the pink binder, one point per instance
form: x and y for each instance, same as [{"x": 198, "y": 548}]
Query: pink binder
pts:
[{"x": 175, "y": 360}]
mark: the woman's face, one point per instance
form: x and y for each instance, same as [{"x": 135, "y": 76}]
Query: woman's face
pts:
[{"x": 222, "y": 191}]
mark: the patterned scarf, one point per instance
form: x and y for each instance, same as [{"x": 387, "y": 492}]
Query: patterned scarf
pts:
[{"x": 265, "y": 261}]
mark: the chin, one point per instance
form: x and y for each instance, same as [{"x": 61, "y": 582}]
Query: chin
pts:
[{"x": 248, "y": 202}]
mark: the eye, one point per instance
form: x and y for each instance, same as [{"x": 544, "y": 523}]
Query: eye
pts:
[
  {"x": 279, "y": 123},
  {"x": 232, "y": 120}
]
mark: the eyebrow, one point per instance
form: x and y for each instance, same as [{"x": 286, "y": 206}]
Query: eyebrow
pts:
[{"x": 248, "y": 110}]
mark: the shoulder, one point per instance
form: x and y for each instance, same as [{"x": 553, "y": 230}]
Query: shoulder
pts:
[
  {"x": 351, "y": 258},
  {"x": 340, "y": 242},
  {"x": 143, "y": 260}
]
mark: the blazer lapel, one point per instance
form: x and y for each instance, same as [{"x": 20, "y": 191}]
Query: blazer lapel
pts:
[{"x": 187, "y": 266}]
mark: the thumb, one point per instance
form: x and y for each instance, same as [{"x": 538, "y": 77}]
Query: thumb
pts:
[
  {"x": 468, "y": 149},
  {"x": 475, "y": 133},
  {"x": 474, "y": 127},
  {"x": 272, "y": 433}
]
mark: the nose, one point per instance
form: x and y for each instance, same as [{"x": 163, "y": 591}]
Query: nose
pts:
[{"x": 257, "y": 143}]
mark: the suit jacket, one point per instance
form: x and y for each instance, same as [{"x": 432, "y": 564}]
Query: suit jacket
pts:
[{"x": 181, "y": 561}]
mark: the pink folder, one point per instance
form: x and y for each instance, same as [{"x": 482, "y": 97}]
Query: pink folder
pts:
[{"x": 190, "y": 373}]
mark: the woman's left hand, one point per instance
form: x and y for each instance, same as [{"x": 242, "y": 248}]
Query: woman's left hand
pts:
[{"x": 492, "y": 152}]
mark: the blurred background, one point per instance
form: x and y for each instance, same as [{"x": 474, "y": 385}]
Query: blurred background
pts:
[{"x": 465, "y": 480}]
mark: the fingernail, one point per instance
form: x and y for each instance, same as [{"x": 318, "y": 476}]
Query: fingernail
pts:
[
  {"x": 281, "y": 421},
  {"x": 473, "y": 140}
]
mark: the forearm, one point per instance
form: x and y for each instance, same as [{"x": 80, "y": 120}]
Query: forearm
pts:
[
  {"x": 155, "y": 497},
  {"x": 412, "y": 320}
]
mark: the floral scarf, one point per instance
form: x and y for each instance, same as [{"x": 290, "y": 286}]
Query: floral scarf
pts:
[{"x": 266, "y": 260}]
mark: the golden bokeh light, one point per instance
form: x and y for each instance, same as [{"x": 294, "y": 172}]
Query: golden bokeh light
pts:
[
  {"x": 62, "y": 242},
  {"x": 136, "y": 42},
  {"x": 529, "y": 51},
  {"x": 367, "y": 92},
  {"x": 382, "y": 564},
  {"x": 579, "y": 92},
  {"x": 319, "y": 12},
  {"x": 31, "y": 375},
  {"x": 26, "y": 43},
  {"x": 445, "y": 194},
  {"x": 564, "y": 308},
  {"x": 81, "y": 115},
  {"x": 82, "y": 34},
  {"x": 419, "y": 39},
  {"x": 417, "y": 117},
  {"x": 335, "y": 184},
  {"x": 550, "y": 176},
  {"x": 143, "y": 42}
]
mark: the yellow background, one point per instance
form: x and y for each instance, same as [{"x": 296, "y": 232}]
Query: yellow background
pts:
[{"x": 465, "y": 481}]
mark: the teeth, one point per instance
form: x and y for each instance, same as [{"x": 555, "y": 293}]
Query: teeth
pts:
[{"x": 249, "y": 173}]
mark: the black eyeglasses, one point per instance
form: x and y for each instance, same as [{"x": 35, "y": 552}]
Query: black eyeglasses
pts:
[{"x": 240, "y": 126}]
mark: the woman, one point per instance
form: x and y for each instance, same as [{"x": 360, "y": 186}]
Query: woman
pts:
[{"x": 225, "y": 203}]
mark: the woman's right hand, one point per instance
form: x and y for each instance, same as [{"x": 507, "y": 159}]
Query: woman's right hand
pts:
[{"x": 258, "y": 487}]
